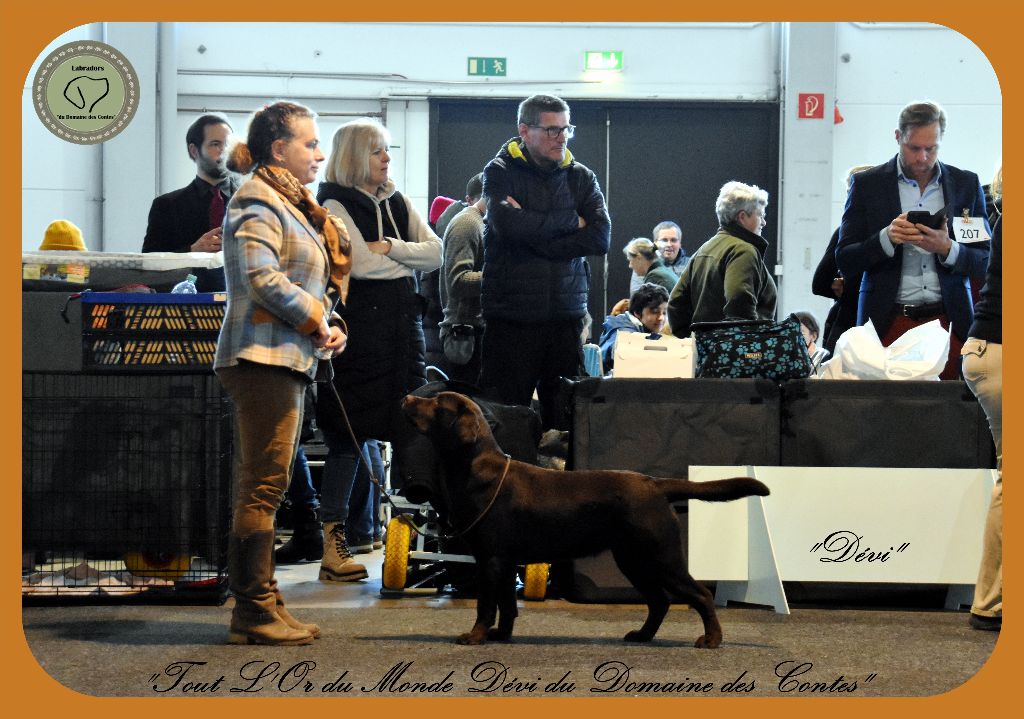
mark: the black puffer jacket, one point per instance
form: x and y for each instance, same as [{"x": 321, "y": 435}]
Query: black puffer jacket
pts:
[{"x": 534, "y": 257}]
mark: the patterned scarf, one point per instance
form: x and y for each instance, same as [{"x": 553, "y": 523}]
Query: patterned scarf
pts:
[{"x": 331, "y": 229}]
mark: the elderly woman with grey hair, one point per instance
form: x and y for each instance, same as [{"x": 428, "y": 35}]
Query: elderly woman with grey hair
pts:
[
  {"x": 727, "y": 278},
  {"x": 645, "y": 263}
]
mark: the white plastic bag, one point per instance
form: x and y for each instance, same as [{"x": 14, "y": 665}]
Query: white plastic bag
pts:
[{"x": 919, "y": 354}]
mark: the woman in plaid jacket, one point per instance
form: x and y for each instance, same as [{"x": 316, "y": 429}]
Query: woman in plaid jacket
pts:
[{"x": 283, "y": 256}]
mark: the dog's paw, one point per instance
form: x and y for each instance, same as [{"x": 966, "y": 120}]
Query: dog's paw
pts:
[
  {"x": 470, "y": 638},
  {"x": 637, "y": 636},
  {"x": 706, "y": 642},
  {"x": 499, "y": 635}
]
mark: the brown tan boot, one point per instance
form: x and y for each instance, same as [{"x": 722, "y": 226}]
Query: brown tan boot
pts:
[
  {"x": 337, "y": 564},
  {"x": 255, "y": 620},
  {"x": 291, "y": 621},
  {"x": 249, "y": 630}
]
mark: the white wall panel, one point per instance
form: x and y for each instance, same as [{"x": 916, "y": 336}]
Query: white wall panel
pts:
[{"x": 690, "y": 61}]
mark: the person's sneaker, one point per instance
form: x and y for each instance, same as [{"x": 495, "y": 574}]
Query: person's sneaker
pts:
[
  {"x": 987, "y": 624},
  {"x": 337, "y": 564},
  {"x": 361, "y": 546}
]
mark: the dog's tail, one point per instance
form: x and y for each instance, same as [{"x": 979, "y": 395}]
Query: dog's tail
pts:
[{"x": 718, "y": 490}]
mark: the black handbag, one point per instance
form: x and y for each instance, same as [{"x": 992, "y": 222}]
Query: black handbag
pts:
[{"x": 761, "y": 349}]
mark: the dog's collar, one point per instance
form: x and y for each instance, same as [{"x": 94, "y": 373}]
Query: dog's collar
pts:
[{"x": 508, "y": 463}]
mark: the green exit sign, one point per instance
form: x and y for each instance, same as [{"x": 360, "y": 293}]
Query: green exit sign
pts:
[
  {"x": 602, "y": 60},
  {"x": 487, "y": 66}
]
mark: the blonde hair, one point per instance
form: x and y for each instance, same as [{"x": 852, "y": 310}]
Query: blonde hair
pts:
[
  {"x": 996, "y": 188},
  {"x": 641, "y": 246},
  {"x": 353, "y": 143},
  {"x": 853, "y": 171}
]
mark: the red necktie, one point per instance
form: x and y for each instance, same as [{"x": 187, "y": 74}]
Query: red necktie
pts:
[{"x": 216, "y": 209}]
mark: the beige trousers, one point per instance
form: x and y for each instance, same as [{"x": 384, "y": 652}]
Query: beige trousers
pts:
[
  {"x": 268, "y": 414},
  {"x": 983, "y": 371}
]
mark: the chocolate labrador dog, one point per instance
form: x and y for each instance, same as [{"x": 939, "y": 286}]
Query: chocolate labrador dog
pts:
[{"x": 513, "y": 513}]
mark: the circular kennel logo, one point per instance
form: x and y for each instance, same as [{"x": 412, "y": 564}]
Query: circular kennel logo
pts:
[{"x": 85, "y": 92}]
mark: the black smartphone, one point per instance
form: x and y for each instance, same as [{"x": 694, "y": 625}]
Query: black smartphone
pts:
[{"x": 923, "y": 217}]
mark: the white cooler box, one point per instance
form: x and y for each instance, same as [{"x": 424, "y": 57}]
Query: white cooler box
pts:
[{"x": 654, "y": 356}]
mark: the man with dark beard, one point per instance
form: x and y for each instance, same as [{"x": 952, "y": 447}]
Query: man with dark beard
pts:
[{"x": 190, "y": 219}]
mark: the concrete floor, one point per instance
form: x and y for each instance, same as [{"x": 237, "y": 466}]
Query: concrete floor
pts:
[{"x": 375, "y": 646}]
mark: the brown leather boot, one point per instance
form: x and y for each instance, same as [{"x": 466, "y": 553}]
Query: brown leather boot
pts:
[
  {"x": 254, "y": 629},
  {"x": 291, "y": 621},
  {"x": 255, "y": 620}
]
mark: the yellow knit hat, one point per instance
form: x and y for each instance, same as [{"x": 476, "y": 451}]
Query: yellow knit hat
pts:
[{"x": 63, "y": 235}]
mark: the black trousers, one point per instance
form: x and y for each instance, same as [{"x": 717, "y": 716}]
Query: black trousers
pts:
[{"x": 519, "y": 357}]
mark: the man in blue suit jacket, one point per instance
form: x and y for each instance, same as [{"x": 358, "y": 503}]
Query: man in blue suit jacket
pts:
[{"x": 914, "y": 274}]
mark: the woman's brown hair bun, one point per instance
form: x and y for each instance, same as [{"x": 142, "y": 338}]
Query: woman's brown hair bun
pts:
[{"x": 240, "y": 159}]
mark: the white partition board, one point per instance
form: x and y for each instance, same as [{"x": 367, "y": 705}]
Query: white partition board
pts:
[{"x": 847, "y": 524}]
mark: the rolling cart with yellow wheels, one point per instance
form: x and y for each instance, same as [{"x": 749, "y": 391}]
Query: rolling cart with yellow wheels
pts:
[
  {"x": 417, "y": 561},
  {"x": 535, "y": 584},
  {"x": 396, "y": 553}
]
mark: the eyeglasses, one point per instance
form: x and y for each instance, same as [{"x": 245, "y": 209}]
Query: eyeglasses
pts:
[{"x": 569, "y": 131}]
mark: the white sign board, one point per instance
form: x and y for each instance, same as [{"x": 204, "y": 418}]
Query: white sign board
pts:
[{"x": 847, "y": 524}]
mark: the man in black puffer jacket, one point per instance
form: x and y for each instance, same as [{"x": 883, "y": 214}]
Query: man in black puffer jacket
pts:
[{"x": 545, "y": 215}]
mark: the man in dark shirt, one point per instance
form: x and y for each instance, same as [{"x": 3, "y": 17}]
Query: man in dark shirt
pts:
[{"x": 190, "y": 219}]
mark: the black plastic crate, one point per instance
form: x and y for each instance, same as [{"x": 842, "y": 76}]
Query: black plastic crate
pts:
[
  {"x": 125, "y": 486},
  {"x": 128, "y": 332}
]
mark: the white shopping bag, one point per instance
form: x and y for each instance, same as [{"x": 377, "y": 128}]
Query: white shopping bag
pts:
[
  {"x": 919, "y": 354},
  {"x": 654, "y": 356}
]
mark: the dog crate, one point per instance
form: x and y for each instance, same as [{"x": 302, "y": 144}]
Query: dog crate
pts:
[
  {"x": 125, "y": 487},
  {"x": 150, "y": 332}
]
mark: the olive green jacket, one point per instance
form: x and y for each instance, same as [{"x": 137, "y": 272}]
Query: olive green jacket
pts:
[{"x": 726, "y": 279}]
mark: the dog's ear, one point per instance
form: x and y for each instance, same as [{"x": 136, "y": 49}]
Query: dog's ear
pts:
[
  {"x": 459, "y": 417},
  {"x": 467, "y": 423}
]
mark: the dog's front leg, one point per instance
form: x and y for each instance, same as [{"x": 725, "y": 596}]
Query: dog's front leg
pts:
[
  {"x": 506, "y": 597},
  {"x": 488, "y": 578}
]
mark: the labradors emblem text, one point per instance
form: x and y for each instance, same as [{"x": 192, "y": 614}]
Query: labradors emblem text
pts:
[{"x": 85, "y": 92}]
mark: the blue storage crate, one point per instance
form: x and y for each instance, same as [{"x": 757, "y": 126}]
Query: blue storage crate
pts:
[{"x": 150, "y": 332}]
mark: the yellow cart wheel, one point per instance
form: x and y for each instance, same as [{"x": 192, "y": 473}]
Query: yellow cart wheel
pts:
[
  {"x": 159, "y": 565},
  {"x": 396, "y": 554},
  {"x": 535, "y": 585}
]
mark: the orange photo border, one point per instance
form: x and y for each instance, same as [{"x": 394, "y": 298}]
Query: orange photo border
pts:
[{"x": 28, "y": 28}]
